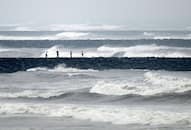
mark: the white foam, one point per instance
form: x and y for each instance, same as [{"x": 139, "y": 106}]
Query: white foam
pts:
[
  {"x": 153, "y": 83},
  {"x": 61, "y": 68},
  {"x": 167, "y": 83},
  {"x": 110, "y": 88},
  {"x": 115, "y": 115},
  {"x": 37, "y": 69}
]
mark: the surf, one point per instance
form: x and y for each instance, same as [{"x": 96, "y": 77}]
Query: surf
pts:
[
  {"x": 153, "y": 84},
  {"x": 120, "y": 115}
]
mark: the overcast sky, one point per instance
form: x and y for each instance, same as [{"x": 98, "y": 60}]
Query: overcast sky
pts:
[{"x": 135, "y": 14}]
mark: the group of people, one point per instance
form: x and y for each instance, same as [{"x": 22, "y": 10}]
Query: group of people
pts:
[{"x": 57, "y": 54}]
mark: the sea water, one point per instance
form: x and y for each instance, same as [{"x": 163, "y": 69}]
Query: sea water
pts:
[{"x": 72, "y": 98}]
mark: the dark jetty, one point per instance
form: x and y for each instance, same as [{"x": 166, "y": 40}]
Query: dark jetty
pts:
[{"x": 10, "y": 65}]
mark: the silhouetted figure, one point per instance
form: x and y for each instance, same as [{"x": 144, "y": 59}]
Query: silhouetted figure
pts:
[
  {"x": 82, "y": 53},
  {"x": 70, "y": 54},
  {"x": 46, "y": 55},
  {"x": 57, "y": 54}
]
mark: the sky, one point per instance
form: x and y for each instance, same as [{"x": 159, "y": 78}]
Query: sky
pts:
[{"x": 133, "y": 14}]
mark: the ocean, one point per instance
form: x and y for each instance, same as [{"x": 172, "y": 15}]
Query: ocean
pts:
[{"x": 76, "y": 97}]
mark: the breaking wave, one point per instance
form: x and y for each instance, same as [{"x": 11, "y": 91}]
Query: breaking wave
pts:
[
  {"x": 61, "y": 68},
  {"x": 152, "y": 50},
  {"x": 115, "y": 115},
  {"x": 153, "y": 84}
]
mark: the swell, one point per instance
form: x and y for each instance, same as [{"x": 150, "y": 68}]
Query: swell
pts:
[{"x": 84, "y": 96}]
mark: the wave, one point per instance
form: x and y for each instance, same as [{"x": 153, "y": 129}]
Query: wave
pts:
[
  {"x": 58, "y": 36},
  {"x": 61, "y": 68},
  {"x": 188, "y": 37},
  {"x": 153, "y": 84},
  {"x": 120, "y": 115},
  {"x": 62, "y": 27},
  {"x": 71, "y": 35},
  {"x": 32, "y": 94},
  {"x": 151, "y": 50},
  {"x": 83, "y": 96}
]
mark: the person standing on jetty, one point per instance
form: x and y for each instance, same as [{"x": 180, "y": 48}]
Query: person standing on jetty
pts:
[
  {"x": 70, "y": 54},
  {"x": 46, "y": 54},
  {"x": 57, "y": 54},
  {"x": 82, "y": 53}
]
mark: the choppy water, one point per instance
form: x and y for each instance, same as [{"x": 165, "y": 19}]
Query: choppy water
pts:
[{"x": 151, "y": 99}]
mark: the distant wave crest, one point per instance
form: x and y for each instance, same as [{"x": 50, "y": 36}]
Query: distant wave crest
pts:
[{"x": 58, "y": 36}]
